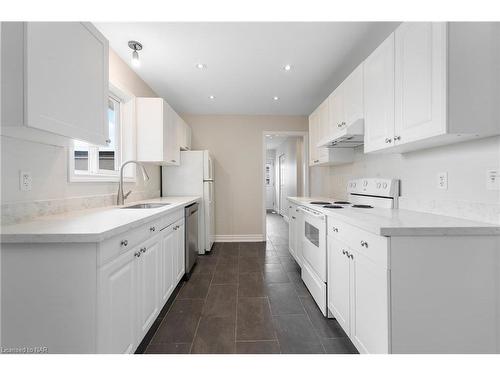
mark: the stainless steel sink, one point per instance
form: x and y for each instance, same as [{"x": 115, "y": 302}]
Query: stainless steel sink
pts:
[{"x": 148, "y": 205}]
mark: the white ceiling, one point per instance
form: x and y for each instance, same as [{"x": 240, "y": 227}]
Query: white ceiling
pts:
[{"x": 244, "y": 62}]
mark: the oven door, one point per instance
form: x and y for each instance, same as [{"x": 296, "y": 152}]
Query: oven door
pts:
[{"x": 314, "y": 242}]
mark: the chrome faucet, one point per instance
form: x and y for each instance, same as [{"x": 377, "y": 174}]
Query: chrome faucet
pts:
[{"x": 120, "y": 199}]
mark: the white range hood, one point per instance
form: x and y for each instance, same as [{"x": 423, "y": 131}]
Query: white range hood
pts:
[{"x": 346, "y": 137}]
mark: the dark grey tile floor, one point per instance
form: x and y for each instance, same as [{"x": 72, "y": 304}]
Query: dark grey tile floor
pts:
[{"x": 248, "y": 298}]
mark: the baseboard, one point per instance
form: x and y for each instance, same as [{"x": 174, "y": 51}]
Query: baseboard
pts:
[{"x": 239, "y": 238}]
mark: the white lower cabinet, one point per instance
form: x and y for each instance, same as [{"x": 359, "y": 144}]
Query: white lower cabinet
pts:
[
  {"x": 358, "y": 297},
  {"x": 179, "y": 253},
  {"x": 118, "y": 301},
  {"x": 295, "y": 232},
  {"x": 136, "y": 285},
  {"x": 148, "y": 280}
]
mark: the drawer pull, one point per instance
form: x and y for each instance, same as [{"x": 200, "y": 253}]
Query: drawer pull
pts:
[
  {"x": 143, "y": 250},
  {"x": 364, "y": 243},
  {"x": 344, "y": 252},
  {"x": 152, "y": 229},
  {"x": 351, "y": 256},
  {"x": 124, "y": 243},
  {"x": 137, "y": 254},
  {"x": 175, "y": 228}
]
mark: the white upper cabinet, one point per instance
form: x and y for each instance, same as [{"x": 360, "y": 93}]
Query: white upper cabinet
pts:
[
  {"x": 420, "y": 81},
  {"x": 446, "y": 81},
  {"x": 157, "y": 135},
  {"x": 183, "y": 133},
  {"x": 54, "y": 82},
  {"x": 318, "y": 128},
  {"x": 352, "y": 93},
  {"x": 379, "y": 96}
]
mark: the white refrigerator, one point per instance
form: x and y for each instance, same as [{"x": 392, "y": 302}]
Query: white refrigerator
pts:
[{"x": 195, "y": 176}]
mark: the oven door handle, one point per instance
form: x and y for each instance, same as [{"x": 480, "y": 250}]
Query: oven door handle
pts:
[{"x": 308, "y": 212}]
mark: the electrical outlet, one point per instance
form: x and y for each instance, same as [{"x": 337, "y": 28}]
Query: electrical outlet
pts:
[
  {"x": 25, "y": 181},
  {"x": 442, "y": 180},
  {"x": 493, "y": 179}
]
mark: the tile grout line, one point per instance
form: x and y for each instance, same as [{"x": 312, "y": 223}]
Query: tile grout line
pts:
[
  {"x": 201, "y": 313},
  {"x": 237, "y": 299}
]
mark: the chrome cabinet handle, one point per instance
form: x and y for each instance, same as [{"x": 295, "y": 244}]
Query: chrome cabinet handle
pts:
[
  {"x": 344, "y": 252},
  {"x": 173, "y": 161},
  {"x": 335, "y": 229},
  {"x": 152, "y": 229},
  {"x": 388, "y": 140},
  {"x": 137, "y": 254},
  {"x": 364, "y": 243},
  {"x": 316, "y": 161},
  {"x": 397, "y": 138},
  {"x": 351, "y": 256},
  {"x": 175, "y": 228},
  {"x": 339, "y": 125},
  {"x": 143, "y": 250},
  {"x": 293, "y": 217},
  {"x": 108, "y": 141},
  {"x": 124, "y": 243}
]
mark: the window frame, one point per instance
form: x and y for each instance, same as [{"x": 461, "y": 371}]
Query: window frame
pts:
[{"x": 102, "y": 175}]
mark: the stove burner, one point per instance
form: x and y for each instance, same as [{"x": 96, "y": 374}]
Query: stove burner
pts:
[
  {"x": 320, "y": 203},
  {"x": 332, "y": 206},
  {"x": 361, "y": 206},
  {"x": 342, "y": 202}
]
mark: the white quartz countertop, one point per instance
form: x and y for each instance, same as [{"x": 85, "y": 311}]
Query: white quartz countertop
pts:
[
  {"x": 93, "y": 225},
  {"x": 401, "y": 222}
]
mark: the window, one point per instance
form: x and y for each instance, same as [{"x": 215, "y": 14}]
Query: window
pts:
[{"x": 100, "y": 163}]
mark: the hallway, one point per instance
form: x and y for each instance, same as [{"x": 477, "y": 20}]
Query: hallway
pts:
[{"x": 247, "y": 298}]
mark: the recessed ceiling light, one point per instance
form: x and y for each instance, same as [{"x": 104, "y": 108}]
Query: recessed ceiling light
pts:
[
  {"x": 287, "y": 67},
  {"x": 275, "y": 98},
  {"x": 201, "y": 66},
  {"x": 211, "y": 97}
]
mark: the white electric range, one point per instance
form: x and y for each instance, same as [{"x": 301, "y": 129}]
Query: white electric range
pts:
[{"x": 363, "y": 194}]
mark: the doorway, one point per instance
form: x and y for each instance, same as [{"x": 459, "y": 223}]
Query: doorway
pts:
[{"x": 285, "y": 173}]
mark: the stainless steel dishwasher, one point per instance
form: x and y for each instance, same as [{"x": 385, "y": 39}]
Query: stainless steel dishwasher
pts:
[{"x": 191, "y": 233}]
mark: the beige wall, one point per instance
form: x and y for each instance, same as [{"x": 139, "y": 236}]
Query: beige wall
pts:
[
  {"x": 237, "y": 147},
  {"x": 49, "y": 164}
]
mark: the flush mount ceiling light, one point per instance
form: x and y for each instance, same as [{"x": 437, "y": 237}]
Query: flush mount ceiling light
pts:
[
  {"x": 287, "y": 67},
  {"x": 275, "y": 98},
  {"x": 135, "y": 46},
  {"x": 201, "y": 66}
]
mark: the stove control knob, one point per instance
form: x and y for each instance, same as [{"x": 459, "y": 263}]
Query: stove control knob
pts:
[
  {"x": 365, "y": 183},
  {"x": 378, "y": 185},
  {"x": 353, "y": 184},
  {"x": 384, "y": 185}
]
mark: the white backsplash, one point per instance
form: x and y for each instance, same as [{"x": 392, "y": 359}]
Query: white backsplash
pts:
[{"x": 16, "y": 212}]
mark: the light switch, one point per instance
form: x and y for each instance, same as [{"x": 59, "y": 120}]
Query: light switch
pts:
[
  {"x": 442, "y": 180},
  {"x": 493, "y": 179}
]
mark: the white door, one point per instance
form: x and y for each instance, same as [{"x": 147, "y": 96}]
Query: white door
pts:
[
  {"x": 369, "y": 305},
  {"x": 66, "y": 80},
  {"x": 179, "y": 253},
  {"x": 379, "y": 97},
  {"x": 336, "y": 107},
  {"x": 117, "y": 305},
  {"x": 352, "y": 93},
  {"x": 420, "y": 80},
  {"x": 339, "y": 282},
  {"x": 148, "y": 283},
  {"x": 168, "y": 246},
  {"x": 313, "y": 138},
  {"x": 269, "y": 184},
  {"x": 282, "y": 187}
]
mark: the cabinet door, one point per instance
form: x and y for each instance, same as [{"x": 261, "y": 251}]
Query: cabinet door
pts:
[
  {"x": 352, "y": 93},
  {"x": 420, "y": 80},
  {"x": 148, "y": 284},
  {"x": 117, "y": 305},
  {"x": 180, "y": 254},
  {"x": 313, "y": 138},
  {"x": 369, "y": 305},
  {"x": 336, "y": 108},
  {"x": 379, "y": 97},
  {"x": 66, "y": 80},
  {"x": 323, "y": 122},
  {"x": 172, "y": 155},
  {"x": 338, "y": 282},
  {"x": 168, "y": 246},
  {"x": 292, "y": 230}
]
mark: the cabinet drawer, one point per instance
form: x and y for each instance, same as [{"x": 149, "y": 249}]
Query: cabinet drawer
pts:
[{"x": 370, "y": 245}]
